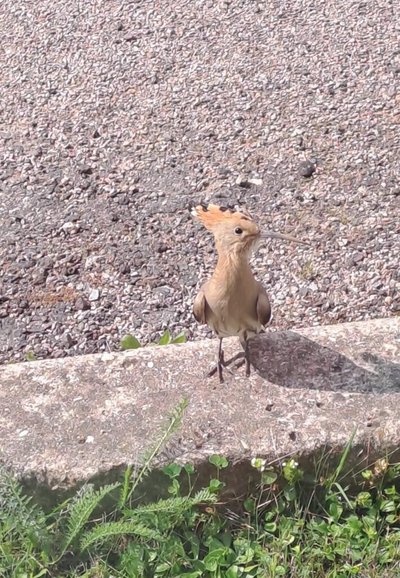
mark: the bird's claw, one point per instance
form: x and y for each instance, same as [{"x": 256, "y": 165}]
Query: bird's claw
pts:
[
  {"x": 222, "y": 365},
  {"x": 239, "y": 358}
]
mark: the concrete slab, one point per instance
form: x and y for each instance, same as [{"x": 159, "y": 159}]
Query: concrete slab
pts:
[{"x": 66, "y": 421}]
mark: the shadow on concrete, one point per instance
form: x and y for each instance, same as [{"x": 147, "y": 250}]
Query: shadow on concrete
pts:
[{"x": 289, "y": 359}]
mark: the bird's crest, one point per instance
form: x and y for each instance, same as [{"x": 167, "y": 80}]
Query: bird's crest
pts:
[{"x": 212, "y": 215}]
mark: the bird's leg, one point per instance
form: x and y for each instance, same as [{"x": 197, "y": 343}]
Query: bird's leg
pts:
[
  {"x": 220, "y": 363},
  {"x": 220, "y": 352},
  {"x": 247, "y": 357}
]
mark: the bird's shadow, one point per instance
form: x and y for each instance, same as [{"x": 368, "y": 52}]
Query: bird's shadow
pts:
[{"x": 289, "y": 359}]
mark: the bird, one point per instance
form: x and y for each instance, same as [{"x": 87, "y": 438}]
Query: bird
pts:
[{"x": 232, "y": 302}]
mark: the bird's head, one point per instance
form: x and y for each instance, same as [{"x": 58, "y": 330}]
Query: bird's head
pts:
[{"x": 234, "y": 230}]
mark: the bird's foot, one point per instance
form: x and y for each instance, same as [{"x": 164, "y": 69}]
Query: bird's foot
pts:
[
  {"x": 239, "y": 358},
  {"x": 219, "y": 368},
  {"x": 241, "y": 362}
]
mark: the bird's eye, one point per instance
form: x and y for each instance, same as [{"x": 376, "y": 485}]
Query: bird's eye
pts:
[{"x": 238, "y": 231}]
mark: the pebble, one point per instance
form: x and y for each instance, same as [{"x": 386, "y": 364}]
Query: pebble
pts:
[
  {"x": 71, "y": 228},
  {"x": 307, "y": 169},
  {"x": 39, "y": 277},
  {"x": 85, "y": 169},
  {"x": 94, "y": 295},
  {"x": 256, "y": 181},
  {"x": 243, "y": 181}
]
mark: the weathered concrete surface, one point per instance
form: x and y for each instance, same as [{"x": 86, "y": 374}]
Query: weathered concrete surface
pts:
[{"x": 69, "y": 420}]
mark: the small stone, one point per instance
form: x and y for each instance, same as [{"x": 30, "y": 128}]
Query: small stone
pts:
[
  {"x": 255, "y": 181},
  {"x": 67, "y": 226},
  {"x": 47, "y": 263},
  {"x": 81, "y": 304},
  {"x": 72, "y": 217},
  {"x": 300, "y": 143},
  {"x": 39, "y": 277},
  {"x": 71, "y": 228},
  {"x": 124, "y": 269},
  {"x": 307, "y": 169},
  {"x": 68, "y": 340},
  {"x": 358, "y": 257},
  {"x": 223, "y": 171},
  {"x": 162, "y": 248},
  {"x": 130, "y": 37},
  {"x": 243, "y": 181},
  {"x": 85, "y": 169},
  {"x": 26, "y": 264},
  {"x": 123, "y": 200},
  {"x": 94, "y": 295}
]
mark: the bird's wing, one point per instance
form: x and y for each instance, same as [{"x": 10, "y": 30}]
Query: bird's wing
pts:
[
  {"x": 263, "y": 306},
  {"x": 200, "y": 307}
]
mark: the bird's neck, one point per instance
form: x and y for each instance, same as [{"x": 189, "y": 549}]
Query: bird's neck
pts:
[{"x": 232, "y": 266}]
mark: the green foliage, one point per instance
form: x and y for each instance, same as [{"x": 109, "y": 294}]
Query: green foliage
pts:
[
  {"x": 291, "y": 472},
  {"x": 269, "y": 477},
  {"x": 132, "y": 480},
  {"x": 167, "y": 339},
  {"x": 79, "y": 510},
  {"x": 24, "y": 533},
  {"x": 172, "y": 470},
  {"x": 108, "y": 531},
  {"x": 30, "y": 356},
  {"x": 220, "y": 462},
  {"x": 288, "y": 528},
  {"x": 130, "y": 342}
]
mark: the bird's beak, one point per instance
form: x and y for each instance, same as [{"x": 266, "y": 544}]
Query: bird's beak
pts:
[{"x": 272, "y": 235}]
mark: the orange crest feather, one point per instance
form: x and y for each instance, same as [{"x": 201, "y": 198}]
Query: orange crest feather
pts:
[{"x": 212, "y": 215}]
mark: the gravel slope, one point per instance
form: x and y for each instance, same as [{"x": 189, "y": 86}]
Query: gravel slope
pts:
[{"x": 115, "y": 116}]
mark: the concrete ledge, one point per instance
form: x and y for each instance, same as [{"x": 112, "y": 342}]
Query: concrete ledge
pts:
[{"x": 66, "y": 421}]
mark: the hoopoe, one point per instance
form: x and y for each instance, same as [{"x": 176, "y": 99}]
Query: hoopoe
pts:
[{"x": 232, "y": 302}]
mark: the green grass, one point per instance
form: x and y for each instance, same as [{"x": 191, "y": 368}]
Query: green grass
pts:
[{"x": 299, "y": 525}]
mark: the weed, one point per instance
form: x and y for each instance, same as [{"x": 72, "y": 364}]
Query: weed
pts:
[
  {"x": 131, "y": 342},
  {"x": 30, "y": 356},
  {"x": 307, "y": 270}
]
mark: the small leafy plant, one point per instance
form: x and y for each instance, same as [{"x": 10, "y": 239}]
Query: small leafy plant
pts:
[
  {"x": 131, "y": 342},
  {"x": 30, "y": 356}
]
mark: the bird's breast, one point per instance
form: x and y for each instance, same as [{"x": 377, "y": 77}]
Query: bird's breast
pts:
[{"x": 233, "y": 312}]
